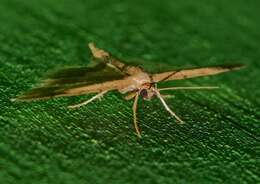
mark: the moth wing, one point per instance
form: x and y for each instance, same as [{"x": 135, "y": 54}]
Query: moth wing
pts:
[
  {"x": 86, "y": 75},
  {"x": 195, "y": 72},
  {"x": 111, "y": 61},
  {"x": 62, "y": 81}
]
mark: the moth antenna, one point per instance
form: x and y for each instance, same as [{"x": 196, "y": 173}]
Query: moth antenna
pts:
[
  {"x": 167, "y": 107},
  {"x": 189, "y": 88},
  {"x": 99, "y": 95},
  {"x": 134, "y": 115}
]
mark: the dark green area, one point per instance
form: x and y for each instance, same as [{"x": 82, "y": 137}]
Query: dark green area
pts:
[{"x": 44, "y": 142}]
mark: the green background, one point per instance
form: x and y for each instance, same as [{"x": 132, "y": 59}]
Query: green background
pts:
[{"x": 44, "y": 142}]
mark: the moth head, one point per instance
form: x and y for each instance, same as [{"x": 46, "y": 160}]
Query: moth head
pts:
[{"x": 147, "y": 92}]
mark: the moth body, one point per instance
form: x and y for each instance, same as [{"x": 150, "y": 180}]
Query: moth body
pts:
[
  {"x": 109, "y": 74},
  {"x": 136, "y": 82}
]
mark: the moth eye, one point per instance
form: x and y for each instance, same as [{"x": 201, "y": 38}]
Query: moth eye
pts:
[{"x": 144, "y": 93}]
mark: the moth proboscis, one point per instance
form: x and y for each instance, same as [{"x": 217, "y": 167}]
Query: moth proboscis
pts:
[{"x": 110, "y": 73}]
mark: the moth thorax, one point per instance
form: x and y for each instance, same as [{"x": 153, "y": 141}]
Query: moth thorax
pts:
[
  {"x": 141, "y": 79},
  {"x": 136, "y": 82}
]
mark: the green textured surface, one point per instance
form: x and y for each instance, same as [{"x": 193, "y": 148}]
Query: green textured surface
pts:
[{"x": 44, "y": 142}]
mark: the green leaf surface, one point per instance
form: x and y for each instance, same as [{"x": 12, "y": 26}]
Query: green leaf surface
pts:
[{"x": 44, "y": 142}]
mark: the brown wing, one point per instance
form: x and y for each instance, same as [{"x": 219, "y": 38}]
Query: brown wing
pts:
[
  {"x": 71, "y": 81},
  {"x": 195, "y": 72},
  {"x": 107, "y": 74},
  {"x": 75, "y": 90},
  {"x": 113, "y": 62}
]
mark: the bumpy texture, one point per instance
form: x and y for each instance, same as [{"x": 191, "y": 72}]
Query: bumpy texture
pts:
[{"x": 44, "y": 142}]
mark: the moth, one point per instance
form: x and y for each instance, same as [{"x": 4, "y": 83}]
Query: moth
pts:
[{"x": 109, "y": 73}]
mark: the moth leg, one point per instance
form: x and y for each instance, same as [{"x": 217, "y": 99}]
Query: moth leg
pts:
[
  {"x": 167, "y": 107},
  {"x": 187, "y": 88},
  {"x": 98, "y": 96},
  {"x": 130, "y": 96},
  {"x": 134, "y": 115}
]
